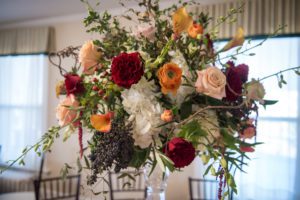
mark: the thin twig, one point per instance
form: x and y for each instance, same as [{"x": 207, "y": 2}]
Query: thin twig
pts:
[{"x": 280, "y": 72}]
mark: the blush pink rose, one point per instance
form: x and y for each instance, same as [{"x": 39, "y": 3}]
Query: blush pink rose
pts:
[
  {"x": 89, "y": 57},
  {"x": 211, "y": 82},
  {"x": 63, "y": 112}
]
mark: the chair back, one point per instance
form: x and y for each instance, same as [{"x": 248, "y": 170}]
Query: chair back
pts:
[
  {"x": 203, "y": 189},
  {"x": 127, "y": 185},
  {"x": 57, "y": 188}
]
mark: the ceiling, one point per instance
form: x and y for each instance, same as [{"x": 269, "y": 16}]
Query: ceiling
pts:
[{"x": 17, "y": 11}]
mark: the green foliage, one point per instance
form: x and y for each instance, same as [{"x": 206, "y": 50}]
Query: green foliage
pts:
[
  {"x": 139, "y": 157},
  {"x": 192, "y": 132}
]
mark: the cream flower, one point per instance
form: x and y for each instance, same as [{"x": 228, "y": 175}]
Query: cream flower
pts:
[
  {"x": 255, "y": 91},
  {"x": 140, "y": 103},
  {"x": 89, "y": 57},
  {"x": 209, "y": 123},
  {"x": 64, "y": 112},
  {"x": 211, "y": 81},
  {"x": 145, "y": 30}
]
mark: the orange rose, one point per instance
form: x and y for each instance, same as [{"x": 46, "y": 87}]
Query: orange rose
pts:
[
  {"x": 167, "y": 116},
  {"x": 194, "y": 30},
  {"x": 102, "y": 123},
  {"x": 169, "y": 77},
  {"x": 89, "y": 57}
]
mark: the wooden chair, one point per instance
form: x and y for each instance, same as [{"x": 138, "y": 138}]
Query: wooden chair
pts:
[
  {"x": 203, "y": 189},
  {"x": 125, "y": 188},
  {"x": 57, "y": 188}
]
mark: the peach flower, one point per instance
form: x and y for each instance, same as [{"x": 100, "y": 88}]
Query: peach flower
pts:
[
  {"x": 248, "y": 133},
  {"x": 167, "y": 116},
  {"x": 194, "y": 30},
  {"x": 211, "y": 81},
  {"x": 181, "y": 21},
  {"x": 246, "y": 149},
  {"x": 102, "y": 123},
  {"x": 169, "y": 77},
  {"x": 89, "y": 57},
  {"x": 65, "y": 111},
  {"x": 238, "y": 40}
]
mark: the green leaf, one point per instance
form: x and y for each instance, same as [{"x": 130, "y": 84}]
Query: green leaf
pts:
[
  {"x": 205, "y": 159},
  {"x": 139, "y": 157},
  {"x": 270, "y": 102},
  {"x": 192, "y": 132},
  {"x": 185, "y": 110},
  {"x": 207, "y": 169},
  {"x": 213, "y": 171},
  {"x": 87, "y": 163}
]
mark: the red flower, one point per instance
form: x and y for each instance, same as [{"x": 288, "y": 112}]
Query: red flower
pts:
[
  {"x": 246, "y": 149},
  {"x": 127, "y": 69},
  {"x": 180, "y": 151},
  {"x": 236, "y": 77},
  {"x": 74, "y": 84}
]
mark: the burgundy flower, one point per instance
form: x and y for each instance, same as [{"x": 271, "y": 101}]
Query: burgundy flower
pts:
[
  {"x": 127, "y": 69},
  {"x": 74, "y": 84},
  {"x": 180, "y": 151},
  {"x": 236, "y": 77}
]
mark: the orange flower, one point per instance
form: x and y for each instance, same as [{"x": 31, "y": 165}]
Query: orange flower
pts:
[
  {"x": 181, "y": 21},
  {"x": 238, "y": 40},
  {"x": 167, "y": 116},
  {"x": 102, "y": 123},
  {"x": 169, "y": 77},
  {"x": 194, "y": 30}
]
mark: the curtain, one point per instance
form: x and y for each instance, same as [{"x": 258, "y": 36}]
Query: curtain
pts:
[
  {"x": 23, "y": 92},
  {"x": 260, "y": 17},
  {"x": 272, "y": 173},
  {"x": 35, "y": 40}
]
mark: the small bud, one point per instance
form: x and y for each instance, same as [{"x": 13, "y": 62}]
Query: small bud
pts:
[
  {"x": 95, "y": 88},
  {"x": 95, "y": 80}
]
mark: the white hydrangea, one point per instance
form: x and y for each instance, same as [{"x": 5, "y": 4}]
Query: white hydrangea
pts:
[
  {"x": 182, "y": 91},
  {"x": 144, "y": 110}
]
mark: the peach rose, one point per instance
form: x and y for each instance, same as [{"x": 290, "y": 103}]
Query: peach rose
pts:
[
  {"x": 89, "y": 57},
  {"x": 64, "y": 112},
  {"x": 167, "y": 116},
  {"x": 211, "y": 81}
]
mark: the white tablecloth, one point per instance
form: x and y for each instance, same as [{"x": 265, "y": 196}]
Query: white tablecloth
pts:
[{"x": 18, "y": 196}]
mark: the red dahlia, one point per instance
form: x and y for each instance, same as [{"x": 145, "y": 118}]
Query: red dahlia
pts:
[
  {"x": 127, "y": 69},
  {"x": 180, "y": 151},
  {"x": 236, "y": 76}
]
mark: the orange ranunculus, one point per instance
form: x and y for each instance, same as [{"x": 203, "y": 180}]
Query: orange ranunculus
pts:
[
  {"x": 181, "y": 21},
  {"x": 102, "y": 123},
  {"x": 238, "y": 40},
  {"x": 167, "y": 116},
  {"x": 169, "y": 77},
  {"x": 194, "y": 30}
]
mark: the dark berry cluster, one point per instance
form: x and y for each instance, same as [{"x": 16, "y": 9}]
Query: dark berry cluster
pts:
[{"x": 111, "y": 150}]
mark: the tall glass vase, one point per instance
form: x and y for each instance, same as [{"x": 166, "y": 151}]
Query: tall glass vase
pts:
[{"x": 156, "y": 183}]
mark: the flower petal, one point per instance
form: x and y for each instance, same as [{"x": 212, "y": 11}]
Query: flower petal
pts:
[
  {"x": 181, "y": 20},
  {"x": 238, "y": 40},
  {"x": 101, "y": 123}
]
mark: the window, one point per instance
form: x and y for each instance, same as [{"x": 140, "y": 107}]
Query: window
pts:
[
  {"x": 272, "y": 172},
  {"x": 23, "y": 81}
]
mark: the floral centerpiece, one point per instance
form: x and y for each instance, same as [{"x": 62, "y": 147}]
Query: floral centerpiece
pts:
[{"x": 159, "y": 95}]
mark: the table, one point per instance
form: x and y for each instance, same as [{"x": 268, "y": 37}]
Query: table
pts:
[{"x": 18, "y": 196}]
